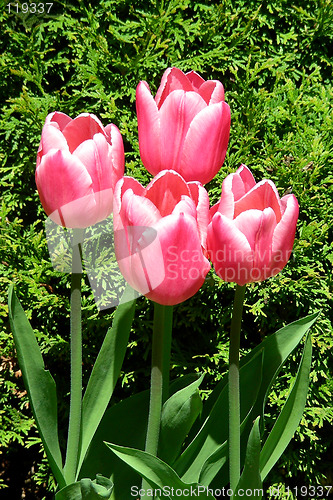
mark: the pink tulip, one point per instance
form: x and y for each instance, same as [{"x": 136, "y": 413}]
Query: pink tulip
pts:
[
  {"x": 185, "y": 128},
  {"x": 252, "y": 231},
  {"x": 78, "y": 164},
  {"x": 160, "y": 236}
]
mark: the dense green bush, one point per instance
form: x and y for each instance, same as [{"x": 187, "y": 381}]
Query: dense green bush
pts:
[{"x": 274, "y": 59}]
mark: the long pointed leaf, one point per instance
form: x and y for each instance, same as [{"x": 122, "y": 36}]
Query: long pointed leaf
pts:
[
  {"x": 214, "y": 431},
  {"x": 159, "y": 474},
  {"x": 290, "y": 416},
  {"x": 277, "y": 347},
  {"x": 105, "y": 373},
  {"x": 250, "y": 478},
  {"x": 39, "y": 383},
  {"x": 178, "y": 414}
]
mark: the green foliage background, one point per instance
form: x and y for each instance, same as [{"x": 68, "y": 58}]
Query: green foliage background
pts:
[{"x": 274, "y": 59}]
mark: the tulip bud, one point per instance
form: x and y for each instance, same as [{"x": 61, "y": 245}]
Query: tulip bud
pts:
[
  {"x": 160, "y": 236},
  {"x": 78, "y": 164},
  {"x": 251, "y": 233},
  {"x": 186, "y": 128}
]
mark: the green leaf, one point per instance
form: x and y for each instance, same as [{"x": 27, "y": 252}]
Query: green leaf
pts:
[
  {"x": 125, "y": 423},
  {"x": 276, "y": 349},
  {"x": 158, "y": 474},
  {"x": 290, "y": 416},
  {"x": 214, "y": 463},
  {"x": 214, "y": 431},
  {"x": 117, "y": 425},
  {"x": 250, "y": 478},
  {"x": 86, "y": 489},
  {"x": 217, "y": 462},
  {"x": 39, "y": 383},
  {"x": 178, "y": 414},
  {"x": 105, "y": 373}
]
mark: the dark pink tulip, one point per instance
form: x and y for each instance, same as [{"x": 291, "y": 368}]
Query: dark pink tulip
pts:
[
  {"x": 160, "y": 236},
  {"x": 78, "y": 164},
  {"x": 185, "y": 128},
  {"x": 252, "y": 230}
]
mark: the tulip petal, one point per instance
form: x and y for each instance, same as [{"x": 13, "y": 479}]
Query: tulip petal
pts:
[
  {"x": 120, "y": 188},
  {"x": 234, "y": 187},
  {"x": 172, "y": 79},
  {"x": 61, "y": 119},
  {"x": 185, "y": 206},
  {"x": 212, "y": 91},
  {"x": 178, "y": 111},
  {"x": 138, "y": 211},
  {"x": 184, "y": 264},
  {"x": 263, "y": 195},
  {"x": 201, "y": 199},
  {"x": 206, "y": 143},
  {"x": 229, "y": 250},
  {"x": 62, "y": 179},
  {"x": 95, "y": 156},
  {"x": 93, "y": 153},
  {"x": 149, "y": 129},
  {"x": 166, "y": 190},
  {"x": 116, "y": 152},
  {"x": 196, "y": 80},
  {"x": 52, "y": 138},
  {"x": 258, "y": 227},
  {"x": 284, "y": 233},
  {"x": 83, "y": 127}
]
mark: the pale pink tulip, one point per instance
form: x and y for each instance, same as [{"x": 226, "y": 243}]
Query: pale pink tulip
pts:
[
  {"x": 252, "y": 231},
  {"x": 185, "y": 128},
  {"x": 78, "y": 164},
  {"x": 160, "y": 236}
]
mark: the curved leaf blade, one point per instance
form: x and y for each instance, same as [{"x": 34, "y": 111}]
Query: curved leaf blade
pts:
[
  {"x": 105, "y": 373},
  {"x": 178, "y": 415},
  {"x": 159, "y": 474},
  {"x": 290, "y": 416},
  {"x": 214, "y": 431},
  {"x": 250, "y": 478},
  {"x": 39, "y": 383}
]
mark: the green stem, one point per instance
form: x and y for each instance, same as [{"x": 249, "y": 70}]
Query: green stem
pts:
[
  {"x": 159, "y": 381},
  {"x": 74, "y": 427},
  {"x": 234, "y": 409}
]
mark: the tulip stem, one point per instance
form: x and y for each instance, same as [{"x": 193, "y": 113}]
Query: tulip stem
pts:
[
  {"x": 74, "y": 427},
  {"x": 234, "y": 405},
  {"x": 159, "y": 381}
]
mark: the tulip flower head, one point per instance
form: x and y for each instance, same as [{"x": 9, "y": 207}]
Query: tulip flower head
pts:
[
  {"x": 160, "y": 236},
  {"x": 78, "y": 164},
  {"x": 252, "y": 230},
  {"x": 185, "y": 128}
]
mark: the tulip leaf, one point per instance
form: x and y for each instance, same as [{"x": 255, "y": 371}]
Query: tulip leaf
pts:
[
  {"x": 158, "y": 474},
  {"x": 217, "y": 462},
  {"x": 276, "y": 348},
  {"x": 126, "y": 424},
  {"x": 214, "y": 431},
  {"x": 105, "y": 373},
  {"x": 250, "y": 479},
  {"x": 290, "y": 416},
  {"x": 39, "y": 383},
  {"x": 86, "y": 489},
  {"x": 214, "y": 463},
  {"x": 178, "y": 414}
]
